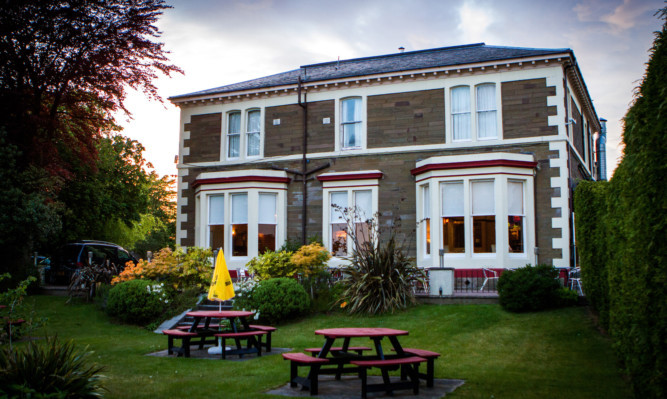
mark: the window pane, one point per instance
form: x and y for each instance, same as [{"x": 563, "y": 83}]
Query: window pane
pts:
[
  {"x": 234, "y": 145},
  {"x": 514, "y": 198},
  {"x": 239, "y": 208},
  {"x": 266, "y": 240},
  {"x": 363, "y": 234},
  {"x": 216, "y": 236},
  {"x": 461, "y": 99},
  {"x": 239, "y": 240},
  {"x": 484, "y": 234},
  {"x": 453, "y": 234},
  {"x": 267, "y": 208},
  {"x": 338, "y": 206},
  {"x": 234, "y": 125},
  {"x": 253, "y": 144},
  {"x": 483, "y": 198},
  {"x": 426, "y": 201},
  {"x": 428, "y": 236},
  {"x": 461, "y": 113},
  {"x": 486, "y": 97},
  {"x": 351, "y": 133},
  {"x": 351, "y": 110},
  {"x": 364, "y": 204},
  {"x": 339, "y": 239},
  {"x": 216, "y": 209},
  {"x": 253, "y": 121},
  {"x": 515, "y": 234},
  {"x": 452, "y": 199}
]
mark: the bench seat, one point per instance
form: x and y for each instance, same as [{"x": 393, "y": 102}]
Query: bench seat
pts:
[
  {"x": 430, "y": 363},
  {"x": 409, "y": 366},
  {"x": 253, "y": 338},
  {"x": 185, "y": 338},
  {"x": 269, "y": 330},
  {"x": 299, "y": 360}
]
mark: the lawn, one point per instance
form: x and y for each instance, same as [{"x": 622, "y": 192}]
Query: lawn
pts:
[{"x": 552, "y": 354}]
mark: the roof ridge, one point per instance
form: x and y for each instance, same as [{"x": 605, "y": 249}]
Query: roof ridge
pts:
[{"x": 373, "y": 57}]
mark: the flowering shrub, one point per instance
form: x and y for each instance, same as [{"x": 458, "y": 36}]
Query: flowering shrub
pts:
[
  {"x": 178, "y": 269},
  {"x": 310, "y": 259}
]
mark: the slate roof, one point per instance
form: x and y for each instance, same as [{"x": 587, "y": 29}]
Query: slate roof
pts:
[{"x": 397, "y": 62}]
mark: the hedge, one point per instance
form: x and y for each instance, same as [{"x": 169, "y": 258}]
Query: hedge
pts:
[{"x": 635, "y": 235}]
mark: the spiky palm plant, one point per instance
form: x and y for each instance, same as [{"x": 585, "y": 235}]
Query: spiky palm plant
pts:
[
  {"x": 380, "y": 276},
  {"x": 49, "y": 369}
]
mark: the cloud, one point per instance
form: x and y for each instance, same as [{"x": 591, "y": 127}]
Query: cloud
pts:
[
  {"x": 474, "y": 21},
  {"x": 626, "y": 15}
]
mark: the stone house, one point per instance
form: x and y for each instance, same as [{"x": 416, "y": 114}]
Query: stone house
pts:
[{"x": 476, "y": 148}]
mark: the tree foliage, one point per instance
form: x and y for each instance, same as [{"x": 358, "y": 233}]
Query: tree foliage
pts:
[{"x": 65, "y": 69}]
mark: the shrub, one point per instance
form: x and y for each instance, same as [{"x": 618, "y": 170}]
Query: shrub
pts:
[
  {"x": 272, "y": 264},
  {"x": 137, "y": 301},
  {"x": 310, "y": 259},
  {"x": 49, "y": 369},
  {"x": 178, "y": 269},
  {"x": 275, "y": 300},
  {"x": 13, "y": 300},
  {"x": 529, "y": 288}
]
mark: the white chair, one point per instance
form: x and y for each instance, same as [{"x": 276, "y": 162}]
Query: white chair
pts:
[
  {"x": 489, "y": 274},
  {"x": 574, "y": 277}
]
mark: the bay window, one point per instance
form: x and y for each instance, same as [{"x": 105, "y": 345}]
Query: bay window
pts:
[
  {"x": 338, "y": 206},
  {"x": 216, "y": 221},
  {"x": 515, "y": 216},
  {"x": 267, "y": 220},
  {"x": 239, "y": 224},
  {"x": 426, "y": 219},
  {"x": 453, "y": 221},
  {"x": 483, "y": 216}
]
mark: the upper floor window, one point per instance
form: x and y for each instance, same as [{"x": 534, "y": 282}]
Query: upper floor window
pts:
[
  {"x": 483, "y": 104},
  {"x": 234, "y": 134},
  {"x": 461, "y": 113},
  {"x": 486, "y": 111},
  {"x": 351, "y": 123},
  {"x": 253, "y": 133}
]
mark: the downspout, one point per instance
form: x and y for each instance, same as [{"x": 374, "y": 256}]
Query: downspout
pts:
[{"x": 304, "y": 161}]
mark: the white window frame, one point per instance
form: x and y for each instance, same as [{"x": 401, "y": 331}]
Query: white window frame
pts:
[
  {"x": 523, "y": 216},
  {"x": 248, "y": 133},
  {"x": 362, "y": 123},
  {"x": 467, "y": 112},
  {"x": 472, "y": 85},
  {"x": 228, "y": 134},
  {"x": 479, "y": 111},
  {"x": 424, "y": 214},
  {"x": 348, "y": 186}
]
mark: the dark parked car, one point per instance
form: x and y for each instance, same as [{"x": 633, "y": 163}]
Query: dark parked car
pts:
[{"x": 72, "y": 256}]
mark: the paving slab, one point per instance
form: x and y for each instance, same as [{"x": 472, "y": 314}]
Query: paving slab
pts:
[{"x": 349, "y": 387}]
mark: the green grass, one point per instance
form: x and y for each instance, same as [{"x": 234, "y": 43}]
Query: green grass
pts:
[{"x": 552, "y": 354}]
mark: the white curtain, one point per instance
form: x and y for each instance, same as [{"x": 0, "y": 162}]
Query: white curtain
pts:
[
  {"x": 239, "y": 208},
  {"x": 483, "y": 198},
  {"x": 338, "y": 198},
  {"x": 461, "y": 113},
  {"x": 216, "y": 209},
  {"x": 364, "y": 204},
  {"x": 515, "y": 198},
  {"x": 252, "y": 129},
  {"x": 234, "y": 123},
  {"x": 486, "y": 111},
  {"x": 452, "y": 199},
  {"x": 234, "y": 144},
  {"x": 267, "y": 209}
]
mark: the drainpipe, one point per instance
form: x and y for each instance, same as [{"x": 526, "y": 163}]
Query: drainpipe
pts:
[
  {"x": 602, "y": 150},
  {"x": 304, "y": 161}
]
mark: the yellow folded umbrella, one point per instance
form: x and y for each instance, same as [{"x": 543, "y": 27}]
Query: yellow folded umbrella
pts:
[{"x": 221, "y": 285}]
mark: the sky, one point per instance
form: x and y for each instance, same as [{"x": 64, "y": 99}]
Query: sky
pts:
[{"x": 227, "y": 41}]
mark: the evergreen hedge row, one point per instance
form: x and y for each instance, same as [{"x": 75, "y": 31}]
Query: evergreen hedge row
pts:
[{"x": 629, "y": 243}]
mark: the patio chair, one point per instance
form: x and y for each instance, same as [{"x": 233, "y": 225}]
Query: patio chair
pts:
[
  {"x": 489, "y": 274},
  {"x": 574, "y": 277}
]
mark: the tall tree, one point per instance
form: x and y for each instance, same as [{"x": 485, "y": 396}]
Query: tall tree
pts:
[{"x": 65, "y": 68}]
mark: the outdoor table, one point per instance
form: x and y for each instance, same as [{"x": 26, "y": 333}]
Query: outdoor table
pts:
[
  {"x": 233, "y": 316},
  {"x": 375, "y": 334}
]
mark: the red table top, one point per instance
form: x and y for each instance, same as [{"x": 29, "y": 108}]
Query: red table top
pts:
[
  {"x": 220, "y": 313},
  {"x": 360, "y": 332}
]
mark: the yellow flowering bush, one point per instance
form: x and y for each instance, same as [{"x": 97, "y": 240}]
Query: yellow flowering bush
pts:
[
  {"x": 311, "y": 259},
  {"x": 178, "y": 269}
]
